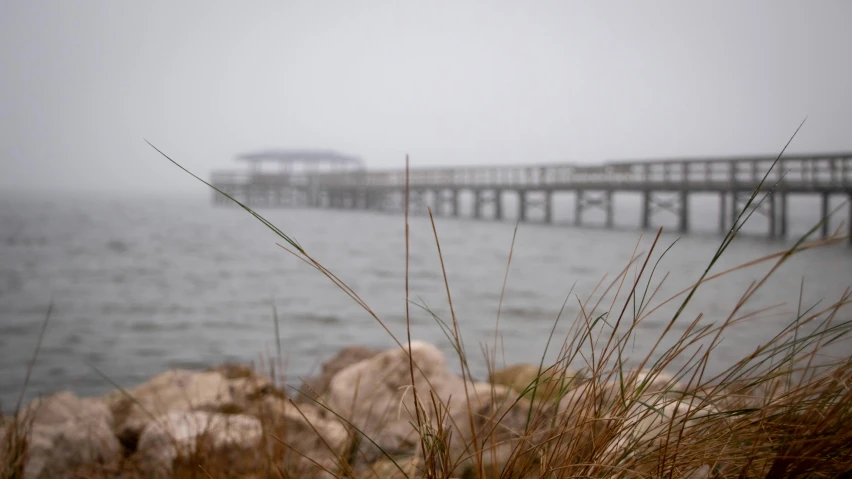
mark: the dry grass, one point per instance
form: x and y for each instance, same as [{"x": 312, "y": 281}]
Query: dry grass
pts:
[{"x": 780, "y": 411}]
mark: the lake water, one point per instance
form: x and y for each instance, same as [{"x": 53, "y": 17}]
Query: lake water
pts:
[{"x": 145, "y": 284}]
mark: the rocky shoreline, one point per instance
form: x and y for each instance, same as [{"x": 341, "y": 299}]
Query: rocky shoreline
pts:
[{"x": 238, "y": 418}]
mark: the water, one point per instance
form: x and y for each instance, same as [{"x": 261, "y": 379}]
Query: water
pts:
[{"x": 145, "y": 284}]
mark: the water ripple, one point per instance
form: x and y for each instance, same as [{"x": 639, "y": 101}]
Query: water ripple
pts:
[{"x": 145, "y": 285}]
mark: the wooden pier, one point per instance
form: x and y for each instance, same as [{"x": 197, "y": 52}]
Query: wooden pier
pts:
[{"x": 323, "y": 179}]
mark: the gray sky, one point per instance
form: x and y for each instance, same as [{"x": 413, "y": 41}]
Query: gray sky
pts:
[{"x": 448, "y": 82}]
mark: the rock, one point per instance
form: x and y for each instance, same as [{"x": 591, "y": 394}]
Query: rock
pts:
[
  {"x": 62, "y": 406},
  {"x": 231, "y": 438},
  {"x": 183, "y": 391},
  {"x": 304, "y": 428},
  {"x": 376, "y": 396},
  {"x": 765, "y": 393},
  {"x": 658, "y": 381},
  {"x": 499, "y": 420},
  {"x": 703, "y": 472},
  {"x": 608, "y": 393},
  {"x": 245, "y": 385},
  {"x": 58, "y": 450},
  {"x": 590, "y": 398},
  {"x": 315, "y": 387},
  {"x": 648, "y": 425},
  {"x": 550, "y": 382},
  {"x": 347, "y": 357},
  {"x": 405, "y": 468},
  {"x": 64, "y": 433}
]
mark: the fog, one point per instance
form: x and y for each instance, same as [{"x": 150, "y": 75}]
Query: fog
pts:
[{"x": 450, "y": 83}]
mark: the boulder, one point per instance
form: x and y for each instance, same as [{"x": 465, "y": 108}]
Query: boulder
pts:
[
  {"x": 523, "y": 377},
  {"x": 315, "y": 387},
  {"x": 64, "y": 433},
  {"x": 59, "y": 450},
  {"x": 398, "y": 468},
  {"x": 245, "y": 385},
  {"x": 595, "y": 410},
  {"x": 302, "y": 439},
  {"x": 62, "y": 406},
  {"x": 648, "y": 425},
  {"x": 658, "y": 381},
  {"x": 377, "y": 397},
  {"x": 607, "y": 393},
  {"x": 179, "y": 391},
  {"x": 194, "y": 436},
  {"x": 499, "y": 421}
]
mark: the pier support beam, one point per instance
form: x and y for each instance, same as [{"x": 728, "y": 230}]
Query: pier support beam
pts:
[
  {"x": 455, "y": 200},
  {"x": 783, "y": 216},
  {"x": 849, "y": 223},
  {"x": 437, "y": 202},
  {"x": 723, "y": 212},
  {"x": 548, "y": 206},
  {"x": 610, "y": 214},
  {"x": 823, "y": 213},
  {"x": 522, "y": 211},
  {"x": 477, "y": 204},
  {"x": 683, "y": 216},
  {"x": 772, "y": 215},
  {"x": 498, "y": 204},
  {"x": 578, "y": 207},
  {"x": 734, "y": 208},
  {"x": 646, "y": 210}
]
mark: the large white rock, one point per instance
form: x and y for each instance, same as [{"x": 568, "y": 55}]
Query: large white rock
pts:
[
  {"x": 376, "y": 396},
  {"x": 317, "y": 386},
  {"x": 65, "y": 432},
  {"x": 320, "y": 441},
  {"x": 178, "y": 433},
  {"x": 549, "y": 380},
  {"x": 658, "y": 381},
  {"x": 65, "y": 405},
  {"x": 178, "y": 391},
  {"x": 648, "y": 425},
  {"x": 607, "y": 393}
]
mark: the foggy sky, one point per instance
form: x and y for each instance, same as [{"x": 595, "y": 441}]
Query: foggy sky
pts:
[{"x": 448, "y": 82}]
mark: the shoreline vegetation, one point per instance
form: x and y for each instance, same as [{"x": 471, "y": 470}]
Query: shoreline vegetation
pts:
[{"x": 781, "y": 410}]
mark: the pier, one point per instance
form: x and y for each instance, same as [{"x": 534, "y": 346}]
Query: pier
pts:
[{"x": 327, "y": 179}]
